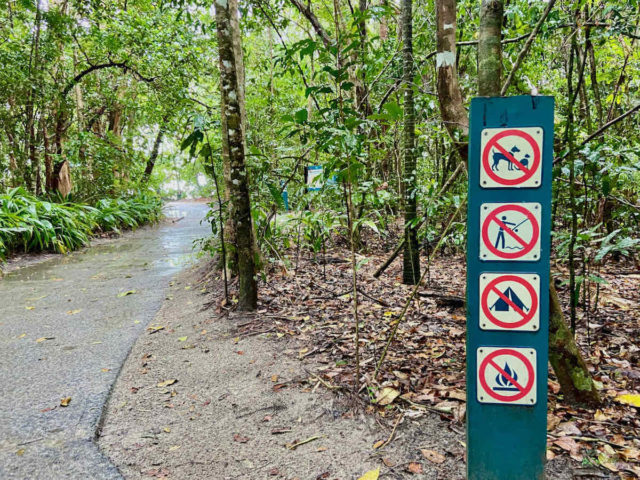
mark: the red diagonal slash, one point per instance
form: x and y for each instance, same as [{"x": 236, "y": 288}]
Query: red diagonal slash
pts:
[
  {"x": 506, "y": 375},
  {"x": 517, "y": 237},
  {"x": 511, "y": 158},
  {"x": 509, "y": 302}
]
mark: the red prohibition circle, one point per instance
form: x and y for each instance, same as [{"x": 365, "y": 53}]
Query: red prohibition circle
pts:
[
  {"x": 527, "y": 174},
  {"x": 484, "y": 302},
  {"x": 493, "y": 217},
  {"x": 507, "y": 398}
]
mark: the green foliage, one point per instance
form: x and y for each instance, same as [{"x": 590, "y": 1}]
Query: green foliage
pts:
[{"x": 32, "y": 224}]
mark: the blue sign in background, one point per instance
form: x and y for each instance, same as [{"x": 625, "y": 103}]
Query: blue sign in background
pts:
[{"x": 507, "y": 442}]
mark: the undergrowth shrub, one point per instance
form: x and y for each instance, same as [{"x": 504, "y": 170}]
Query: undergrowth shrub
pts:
[{"x": 32, "y": 224}]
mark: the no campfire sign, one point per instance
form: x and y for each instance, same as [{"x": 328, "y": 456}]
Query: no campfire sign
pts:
[
  {"x": 511, "y": 157},
  {"x": 510, "y": 302},
  {"x": 507, "y": 375},
  {"x": 508, "y": 243}
]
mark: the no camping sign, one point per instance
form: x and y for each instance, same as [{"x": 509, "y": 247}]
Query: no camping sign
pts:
[{"x": 510, "y": 302}]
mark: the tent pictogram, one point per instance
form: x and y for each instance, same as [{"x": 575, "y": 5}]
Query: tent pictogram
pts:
[
  {"x": 509, "y": 302},
  {"x": 510, "y": 231},
  {"x": 501, "y": 304},
  {"x": 506, "y": 375},
  {"x": 511, "y": 157}
]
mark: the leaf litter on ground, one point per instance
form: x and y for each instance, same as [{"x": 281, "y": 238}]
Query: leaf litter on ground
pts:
[{"x": 424, "y": 367}]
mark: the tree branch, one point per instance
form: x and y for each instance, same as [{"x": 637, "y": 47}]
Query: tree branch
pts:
[
  {"x": 526, "y": 47},
  {"x": 313, "y": 20},
  {"x": 122, "y": 65},
  {"x": 601, "y": 130}
]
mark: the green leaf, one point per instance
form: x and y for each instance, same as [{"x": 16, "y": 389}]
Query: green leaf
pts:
[
  {"x": 275, "y": 194},
  {"x": 301, "y": 115}
]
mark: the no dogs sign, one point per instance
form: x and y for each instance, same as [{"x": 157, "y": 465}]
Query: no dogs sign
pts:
[
  {"x": 511, "y": 157},
  {"x": 507, "y": 375},
  {"x": 510, "y": 231},
  {"x": 510, "y": 302}
]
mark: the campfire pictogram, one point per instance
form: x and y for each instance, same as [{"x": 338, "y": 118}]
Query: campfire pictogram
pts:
[{"x": 504, "y": 384}]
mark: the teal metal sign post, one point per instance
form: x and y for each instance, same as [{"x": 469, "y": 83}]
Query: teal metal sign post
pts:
[{"x": 508, "y": 244}]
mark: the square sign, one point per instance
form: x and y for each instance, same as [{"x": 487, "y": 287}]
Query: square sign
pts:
[
  {"x": 510, "y": 302},
  {"x": 314, "y": 177},
  {"x": 511, "y": 157},
  {"x": 510, "y": 231},
  {"x": 506, "y": 375}
]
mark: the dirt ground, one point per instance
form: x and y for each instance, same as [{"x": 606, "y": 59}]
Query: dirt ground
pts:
[{"x": 199, "y": 399}]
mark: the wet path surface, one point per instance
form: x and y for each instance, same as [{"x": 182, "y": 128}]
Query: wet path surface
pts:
[{"x": 65, "y": 332}]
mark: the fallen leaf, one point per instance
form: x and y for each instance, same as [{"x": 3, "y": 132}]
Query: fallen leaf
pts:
[
  {"x": 65, "y": 402},
  {"x": 378, "y": 444},
  {"x": 128, "y": 292},
  {"x": 552, "y": 422},
  {"x": 42, "y": 339},
  {"x": 433, "y": 456},
  {"x": 279, "y": 430},
  {"x": 182, "y": 339},
  {"x": 371, "y": 475},
  {"x": 166, "y": 383},
  {"x": 105, "y": 370},
  {"x": 20, "y": 452},
  {"x": 240, "y": 438},
  {"x": 166, "y": 430},
  {"x": 629, "y": 399},
  {"x": 569, "y": 428},
  {"x": 388, "y": 462},
  {"x": 568, "y": 444},
  {"x": 173, "y": 448},
  {"x": 73, "y": 312},
  {"x": 415, "y": 467},
  {"x": 22, "y": 335},
  {"x": 458, "y": 395},
  {"x": 30, "y": 308},
  {"x": 387, "y": 395},
  {"x": 274, "y": 378}
]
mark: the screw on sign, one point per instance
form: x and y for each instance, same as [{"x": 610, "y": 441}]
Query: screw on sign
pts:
[
  {"x": 510, "y": 231},
  {"x": 509, "y": 302},
  {"x": 506, "y": 375},
  {"x": 511, "y": 157}
]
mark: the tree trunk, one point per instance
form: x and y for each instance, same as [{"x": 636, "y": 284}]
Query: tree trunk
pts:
[
  {"x": 411, "y": 256},
  {"x": 452, "y": 109},
  {"x": 48, "y": 161},
  {"x": 233, "y": 135},
  {"x": 490, "y": 48},
  {"x": 151, "y": 162},
  {"x": 575, "y": 380},
  {"x": 576, "y": 383}
]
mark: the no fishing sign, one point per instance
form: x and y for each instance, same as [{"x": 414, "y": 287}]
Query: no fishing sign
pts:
[{"x": 508, "y": 243}]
